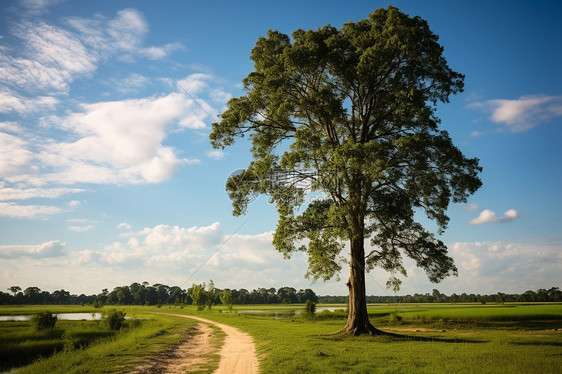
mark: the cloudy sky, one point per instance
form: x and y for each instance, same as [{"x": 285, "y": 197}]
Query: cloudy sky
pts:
[{"x": 107, "y": 176}]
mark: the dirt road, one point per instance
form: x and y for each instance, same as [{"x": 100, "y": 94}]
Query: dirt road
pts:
[
  {"x": 187, "y": 356},
  {"x": 238, "y": 354}
]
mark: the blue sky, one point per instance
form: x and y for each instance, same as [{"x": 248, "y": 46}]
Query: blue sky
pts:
[{"x": 107, "y": 176}]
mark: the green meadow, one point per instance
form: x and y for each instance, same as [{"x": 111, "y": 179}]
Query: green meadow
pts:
[
  {"x": 424, "y": 338},
  {"x": 89, "y": 346}
]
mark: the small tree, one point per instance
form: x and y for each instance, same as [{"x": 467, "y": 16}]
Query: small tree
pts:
[
  {"x": 198, "y": 295},
  {"x": 310, "y": 309},
  {"x": 500, "y": 298},
  {"x": 114, "y": 319},
  {"x": 227, "y": 299},
  {"x": 15, "y": 289},
  {"x": 210, "y": 294},
  {"x": 44, "y": 321}
]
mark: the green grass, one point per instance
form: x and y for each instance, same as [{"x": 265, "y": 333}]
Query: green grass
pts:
[
  {"x": 434, "y": 338},
  {"x": 20, "y": 344},
  {"x": 507, "y": 312},
  {"x": 505, "y": 341},
  {"x": 89, "y": 346}
]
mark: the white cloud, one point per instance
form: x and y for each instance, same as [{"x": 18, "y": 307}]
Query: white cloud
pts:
[
  {"x": 50, "y": 58},
  {"x": 164, "y": 237},
  {"x": 156, "y": 53},
  {"x": 52, "y": 248},
  {"x": 488, "y": 216},
  {"x": 126, "y": 137},
  {"x": 123, "y": 34},
  {"x": 116, "y": 142},
  {"x": 249, "y": 261},
  {"x": 194, "y": 83},
  {"x": 183, "y": 249},
  {"x": 216, "y": 154},
  {"x": 81, "y": 228},
  {"x": 130, "y": 84},
  {"x": 124, "y": 226},
  {"x": 80, "y": 220},
  {"x": 220, "y": 96},
  {"x": 112, "y": 142},
  {"x": 127, "y": 29},
  {"x": 9, "y": 102},
  {"x": 15, "y": 156},
  {"x": 13, "y": 210},
  {"x": 503, "y": 265},
  {"x": 476, "y": 133},
  {"x": 74, "y": 203},
  {"x": 38, "y": 6},
  {"x": 10, "y": 126},
  {"x": 10, "y": 193},
  {"x": 524, "y": 113}
]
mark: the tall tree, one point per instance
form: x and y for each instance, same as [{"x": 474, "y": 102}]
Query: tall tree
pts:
[
  {"x": 15, "y": 289},
  {"x": 349, "y": 115}
]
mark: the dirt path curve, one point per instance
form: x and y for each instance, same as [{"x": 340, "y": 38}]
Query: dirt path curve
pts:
[
  {"x": 238, "y": 354},
  {"x": 185, "y": 357}
]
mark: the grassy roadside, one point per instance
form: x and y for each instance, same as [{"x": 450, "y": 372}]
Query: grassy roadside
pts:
[
  {"x": 502, "y": 343},
  {"x": 436, "y": 338},
  {"x": 114, "y": 352}
]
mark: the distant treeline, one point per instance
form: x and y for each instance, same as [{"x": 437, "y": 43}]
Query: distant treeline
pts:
[
  {"x": 160, "y": 294},
  {"x": 157, "y": 294},
  {"x": 551, "y": 295}
]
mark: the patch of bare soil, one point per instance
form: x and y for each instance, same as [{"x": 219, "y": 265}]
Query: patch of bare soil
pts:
[{"x": 187, "y": 356}]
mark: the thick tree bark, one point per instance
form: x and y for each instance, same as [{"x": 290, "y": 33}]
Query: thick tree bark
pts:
[{"x": 358, "y": 319}]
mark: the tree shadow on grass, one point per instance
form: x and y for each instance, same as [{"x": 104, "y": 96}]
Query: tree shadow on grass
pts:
[
  {"x": 554, "y": 344},
  {"x": 388, "y": 337}
]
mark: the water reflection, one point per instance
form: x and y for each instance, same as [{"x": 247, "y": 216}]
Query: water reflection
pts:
[
  {"x": 61, "y": 316},
  {"x": 284, "y": 313}
]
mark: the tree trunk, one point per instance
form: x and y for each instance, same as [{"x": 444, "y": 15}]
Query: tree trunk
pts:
[{"x": 358, "y": 319}]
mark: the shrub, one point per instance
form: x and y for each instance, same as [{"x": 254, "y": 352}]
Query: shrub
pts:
[
  {"x": 114, "y": 319},
  {"x": 395, "y": 317},
  {"x": 227, "y": 299},
  {"x": 44, "y": 321},
  {"x": 310, "y": 309}
]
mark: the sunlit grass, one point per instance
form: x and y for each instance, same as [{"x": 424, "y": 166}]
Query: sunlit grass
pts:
[
  {"x": 432, "y": 338},
  {"x": 504, "y": 344},
  {"x": 89, "y": 346}
]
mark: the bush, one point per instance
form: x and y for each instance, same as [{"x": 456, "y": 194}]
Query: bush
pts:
[
  {"x": 114, "y": 319},
  {"x": 310, "y": 309},
  {"x": 337, "y": 314},
  {"x": 44, "y": 321},
  {"x": 394, "y": 317}
]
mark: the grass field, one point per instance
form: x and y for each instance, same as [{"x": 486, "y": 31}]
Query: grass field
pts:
[
  {"x": 434, "y": 338},
  {"x": 90, "y": 346}
]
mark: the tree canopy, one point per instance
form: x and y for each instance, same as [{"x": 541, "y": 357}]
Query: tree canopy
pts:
[{"x": 349, "y": 116}]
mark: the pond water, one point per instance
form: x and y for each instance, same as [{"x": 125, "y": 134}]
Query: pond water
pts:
[
  {"x": 275, "y": 313},
  {"x": 284, "y": 313},
  {"x": 61, "y": 316}
]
